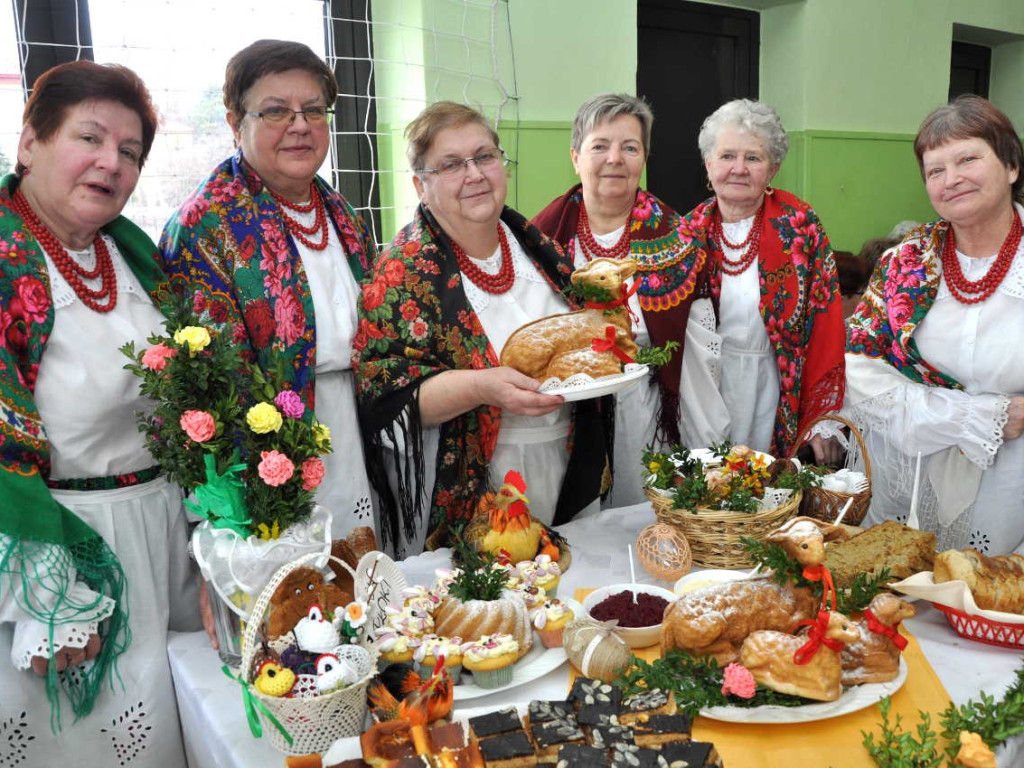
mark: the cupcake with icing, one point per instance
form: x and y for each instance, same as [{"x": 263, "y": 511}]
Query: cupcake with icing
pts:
[
  {"x": 433, "y": 647},
  {"x": 408, "y": 620},
  {"x": 549, "y": 621},
  {"x": 546, "y": 574},
  {"x": 443, "y": 579},
  {"x": 395, "y": 647},
  {"x": 490, "y": 659},
  {"x": 533, "y": 595},
  {"x": 420, "y": 599}
]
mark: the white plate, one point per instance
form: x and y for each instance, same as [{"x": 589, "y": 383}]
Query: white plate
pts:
[
  {"x": 582, "y": 387},
  {"x": 856, "y": 697},
  {"x": 537, "y": 662}
]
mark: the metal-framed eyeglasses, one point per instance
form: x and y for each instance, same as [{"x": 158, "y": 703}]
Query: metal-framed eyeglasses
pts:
[
  {"x": 279, "y": 115},
  {"x": 457, "y": 166}
]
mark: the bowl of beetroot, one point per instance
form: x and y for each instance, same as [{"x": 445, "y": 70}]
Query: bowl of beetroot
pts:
[{"x": 638, "y": 608}]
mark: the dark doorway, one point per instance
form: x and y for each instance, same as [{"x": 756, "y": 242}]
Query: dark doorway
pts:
[
  {"x": 969, "y": 67},
  {"x": 691, "y": 59}
]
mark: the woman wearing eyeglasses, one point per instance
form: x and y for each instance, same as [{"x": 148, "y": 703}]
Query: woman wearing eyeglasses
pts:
[
  {"x": 271, "y": 254},
  {"x": 442, "y": 421}
]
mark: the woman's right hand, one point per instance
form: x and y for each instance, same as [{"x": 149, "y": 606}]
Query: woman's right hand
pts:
[
  {"x": 1015, "y": 418},
  {"x": 515, "y": 392},
  {"x": 68, "y": 657},
  {"x": 206, "y": 612},
  {"x": 452, "y": 393}
]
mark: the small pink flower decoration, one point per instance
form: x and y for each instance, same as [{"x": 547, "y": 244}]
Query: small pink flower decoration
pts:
[
  {"x": 290, "y": 404},
  {"x": 312, "y": 473},
  {"x": 200, "y": 426},
  {"x": 738, "y": 681},
  {"x": 275, "y": 468},
  {"x": 156, "y": 357}
]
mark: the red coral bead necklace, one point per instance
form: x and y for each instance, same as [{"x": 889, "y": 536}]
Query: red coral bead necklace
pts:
[
  {"x": 593, "y": 249},
  {"x": 500, "y": 281},
  {"x": 976, "y": 291},
  {"x": 752, "y": 243},
  {"x": 299, "y": 231},
  {"x": 102, "y": 299}
]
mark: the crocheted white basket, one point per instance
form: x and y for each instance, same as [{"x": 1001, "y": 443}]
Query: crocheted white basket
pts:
[{"x": 315, "y": 723}]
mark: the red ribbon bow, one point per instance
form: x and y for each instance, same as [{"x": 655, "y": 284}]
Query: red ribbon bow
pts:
[
  {"x": 824, "y": 575},
  {"x": 815, "y": 639},
  {"x": 622, "y": 301},
  {"x": 607, "y": 344},
  {"x": 893, "y": 633}
]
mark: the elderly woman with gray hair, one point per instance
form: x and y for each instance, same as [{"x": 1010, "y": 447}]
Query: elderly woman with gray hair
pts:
[
  {"x": 608, "y": 215},
  {"x": 774, "y": 279}
]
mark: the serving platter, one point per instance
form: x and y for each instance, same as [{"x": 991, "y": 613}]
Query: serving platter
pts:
[
  {"x": 855, "y": 698},
  {"x": 583, "y": 387}
]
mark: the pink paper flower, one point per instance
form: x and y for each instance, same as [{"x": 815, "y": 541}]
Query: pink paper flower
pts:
[
  {"x": 738, "y": 681},
  {"x": 275, "y": 468},
  {"x": 290, "y": 403},
  {"x": 156, "y": 357},
  {"x": 312, "y": 473},
  {"x": 198, "y": 425}
]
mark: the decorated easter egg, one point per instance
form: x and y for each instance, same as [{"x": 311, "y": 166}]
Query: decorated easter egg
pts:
[
  {"x": 594, "y": 648},
  {"x": 663, "y": 551}
]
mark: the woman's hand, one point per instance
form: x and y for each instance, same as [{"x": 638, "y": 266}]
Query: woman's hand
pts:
[
  {"x": 68, "y": 657},
  {"x": 515, "y": 392},
  {"x": 827, "y": 450},
  {"x": 452, "y": 393},
  {"x": 206, "y": 612},
  {"x": 1015, "y": 419}
]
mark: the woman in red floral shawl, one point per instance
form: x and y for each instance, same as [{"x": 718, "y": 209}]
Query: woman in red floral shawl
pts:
[
  {"x": 444, "y": 296},
  {"x": 607, "y": 215},
  {"x": 934, "y": 369},
  {"x": 779, "y": 310}
]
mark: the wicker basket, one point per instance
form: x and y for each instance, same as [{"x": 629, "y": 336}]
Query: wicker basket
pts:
[
  {"x": 822, "y": 504},
  {"x": 714, "y": 534},
  {"x": 313, "y": 722}
]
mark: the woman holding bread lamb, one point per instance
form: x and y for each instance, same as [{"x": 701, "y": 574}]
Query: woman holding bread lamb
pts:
[
  {"x": 608, "y": 215},
  {"x": 441, "y": 418},
  {"x": 933, "y": 357}
]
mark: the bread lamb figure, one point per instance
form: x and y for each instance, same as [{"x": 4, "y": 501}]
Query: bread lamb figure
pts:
[
  {"x": 772, "y": 658},
  {"x": 593, "y": 341},
  {"x": 715, "y": 620},
  {"x": 804, "y": 539},
  {"x": 875, "y": 656}
]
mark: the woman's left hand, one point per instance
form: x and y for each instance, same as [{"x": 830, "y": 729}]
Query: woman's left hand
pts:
[
  {"x": 827, "y": 450},
  {"x": 1014, "y": 419}
]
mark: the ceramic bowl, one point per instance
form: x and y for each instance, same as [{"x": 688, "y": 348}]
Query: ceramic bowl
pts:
[
  {"x": 635, "y": 637},
  {"x": 700, "y": 579}
]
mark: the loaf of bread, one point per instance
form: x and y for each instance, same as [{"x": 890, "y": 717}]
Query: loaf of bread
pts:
[
  {"x": 997, "y": 582},
  {"x": 904, "y": 551}
]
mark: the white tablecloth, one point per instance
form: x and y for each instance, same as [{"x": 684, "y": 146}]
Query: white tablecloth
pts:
[{"x": 217, "y": 736}]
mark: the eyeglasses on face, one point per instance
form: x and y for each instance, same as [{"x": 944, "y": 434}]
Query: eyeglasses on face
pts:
[
  {"x": 278, "y": 115},
  {"x": 456, "y": 166}
]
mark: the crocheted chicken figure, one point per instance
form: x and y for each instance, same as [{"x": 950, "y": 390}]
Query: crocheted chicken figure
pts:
[
  {"x": 424, "y": 702},
  {"x": 314, "y": 634},
  {"x": 333, "y": 673},
  {"x": 503, "y": 525},
  {"x": 274, "y": 680}
]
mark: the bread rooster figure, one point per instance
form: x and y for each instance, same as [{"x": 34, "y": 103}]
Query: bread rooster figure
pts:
[
  {"x": 424, "y": 702},
  {"x": 503, "y": 524}
]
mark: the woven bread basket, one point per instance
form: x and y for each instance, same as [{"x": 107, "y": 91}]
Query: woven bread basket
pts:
[
  {"x": 823, "y": 504},
  {"x": 316, "y": 722},
  {"x": 714, "y": 534}
]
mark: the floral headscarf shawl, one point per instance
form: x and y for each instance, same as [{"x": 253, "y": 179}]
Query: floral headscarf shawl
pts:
[
  {"x": 801, "y": 309},
  {"x": 415, "y": 322},
  {"x": 229, "y": 246},
  {"x": 36, "y": 532},
  {"x": 673, "y": 270},
  {"x": 902, "y": 290}
]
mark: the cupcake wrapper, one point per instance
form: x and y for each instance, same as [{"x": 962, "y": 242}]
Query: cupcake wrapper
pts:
[
  {"x": 493, "y": 678},
  {"x": 551, "y": 638}
]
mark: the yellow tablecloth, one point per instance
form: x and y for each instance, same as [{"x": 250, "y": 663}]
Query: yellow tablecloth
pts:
[{"x": 833, "y": 743}]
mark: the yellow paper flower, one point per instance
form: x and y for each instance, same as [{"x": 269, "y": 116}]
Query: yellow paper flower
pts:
[
  {"x": 196, "y": 337},
  {"x": 322, "y": 437},
  {"x": 974, "y": 753},
  {"x": 263, "y": 418}
]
